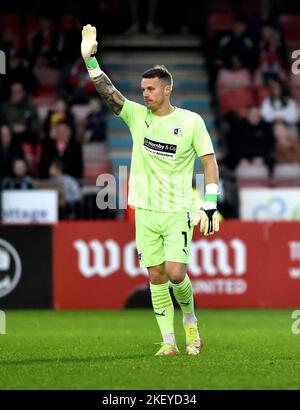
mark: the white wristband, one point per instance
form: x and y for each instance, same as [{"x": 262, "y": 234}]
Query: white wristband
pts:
[
  {"x": 94, "y": 72},
  {"x": 209, "y": 205},
  {"x": 211, "y": 189},
  {"x": 93, "y": 67},
  {"x": 210, "y": 198}
]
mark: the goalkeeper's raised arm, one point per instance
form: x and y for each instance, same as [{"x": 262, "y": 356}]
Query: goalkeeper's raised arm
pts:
[{"x": 102, "y": 83}]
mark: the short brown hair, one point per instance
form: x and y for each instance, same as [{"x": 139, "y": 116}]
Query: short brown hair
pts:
[{"x": 159, "y": 71}]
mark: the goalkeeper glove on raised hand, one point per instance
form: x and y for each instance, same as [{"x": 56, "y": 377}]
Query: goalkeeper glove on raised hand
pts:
[
  {"x": 208, "y": 214},
  {"x": 88, "y": 49}
]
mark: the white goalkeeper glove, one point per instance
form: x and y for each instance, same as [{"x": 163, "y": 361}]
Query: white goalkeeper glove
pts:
[
  {"x": 208, "y": 214},
  {"x": 88, "y": 49}
]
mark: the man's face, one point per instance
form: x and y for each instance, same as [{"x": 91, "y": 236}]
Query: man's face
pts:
[
  {"x": 254, "y": 116},
  {"x": 17, "y": 93},
  {"x": 239, "y": 28},
  {"x": 54, "y": 171},
  {"x": 5, "y": 136},
  {"x": 19, "y": 168},
  {"x": 275, "y": 89},
  {"x": 155, "y": 92},
  {"x": 63, "y": 133}
]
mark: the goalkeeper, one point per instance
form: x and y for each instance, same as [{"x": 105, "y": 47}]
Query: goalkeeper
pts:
[{"x": 166, "y": 141}]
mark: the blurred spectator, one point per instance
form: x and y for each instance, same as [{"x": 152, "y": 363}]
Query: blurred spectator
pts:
[
  {"x": 95, "y": 127},
  {"x": 237, "y": 43},
  {"x": 8, "y": 151},
  {"x": 234, "y": 76},
  {"x": 287, "y": 148},
  {"x": 68, "y": 188},
  {"x": 60, "y": 113},
  {"x": 43, "y": 43},
  {"x": 18, "y": 71},
  {"x": 19, "y": 179},
  {"x": 271, "y": 47},
  {"x": 75, "y": 84},
  {"x": 136, "y": 18},
  {"x": 61, "y": 146},
  {"x": 192, "y": 18},
  {"x": 250, "y": 140},
  {"x": 228, "y": 198},
  {"x": 69, "y": 36},
  {"x": 270, "y": 70},
  {"x": 20, "y": 115},
  {"x": 10, "y": 41},
  {"x": 279, "y": 105}
]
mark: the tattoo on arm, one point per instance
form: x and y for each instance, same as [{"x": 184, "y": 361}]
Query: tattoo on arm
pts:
[{"x": 109, "y": 93}]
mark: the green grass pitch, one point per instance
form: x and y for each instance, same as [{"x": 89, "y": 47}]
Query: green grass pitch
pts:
[{"x": 243, "y": 349}]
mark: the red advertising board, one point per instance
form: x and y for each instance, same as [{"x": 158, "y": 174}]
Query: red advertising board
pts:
[
  {"x": 227, "y": 269},
  {"x": 247, "y": 264},
  {"x": 95, "y": 265},
  {"x": 283, "y": 265}
]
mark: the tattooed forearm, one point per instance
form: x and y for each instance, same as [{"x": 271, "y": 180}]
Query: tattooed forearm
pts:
[{"x": 109, "y": 93}]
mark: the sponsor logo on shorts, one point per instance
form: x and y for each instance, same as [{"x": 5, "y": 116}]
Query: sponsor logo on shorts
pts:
[{"x": 160, "y": 149}]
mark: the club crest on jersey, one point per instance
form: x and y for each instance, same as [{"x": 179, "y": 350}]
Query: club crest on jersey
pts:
[{"x": 178, "y": 131}]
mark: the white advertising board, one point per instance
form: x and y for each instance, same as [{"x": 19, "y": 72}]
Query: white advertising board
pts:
[
  {"x": 275, "y": 204},
  {"x": 33, "y": 206}
]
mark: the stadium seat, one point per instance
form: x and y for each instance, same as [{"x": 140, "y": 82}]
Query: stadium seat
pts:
[
  {"x": 260, "y": 172},
  {"x": 250, "y": 7},
  {"x": 219, "y": 6},
  {"x": 290, "y": 25},
  {"x": 292, "y": 39},
  {"x": 235, "y": 99},
  {"x": 80, "y": 112},
  {"x": 219, "y": 22},
  {"x": 290, "y": 22},
  {"x": 294, "y": 84},
  {"x": 11, "y": 21},
  {"x": 296, "y": 93},
  {"x": 95, "y": 161},
  {"x": 31, "y": 24},
  {"x": 252, "y": 175},
  {"x": 286, "y": 174},
  {"x": 47, "y": 78},
  {"x": 233, "y": 79},
  {"x": 45, "y": 100},
  {"x": 261, "y": 93}
]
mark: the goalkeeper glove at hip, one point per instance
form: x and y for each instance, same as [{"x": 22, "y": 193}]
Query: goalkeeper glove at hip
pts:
[{"x": 208, "y": 215}]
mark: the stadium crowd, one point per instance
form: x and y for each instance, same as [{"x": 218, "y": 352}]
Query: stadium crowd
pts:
[
  {"x": 257, "y": 96},
  {"x": 249, "y": 61}
]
